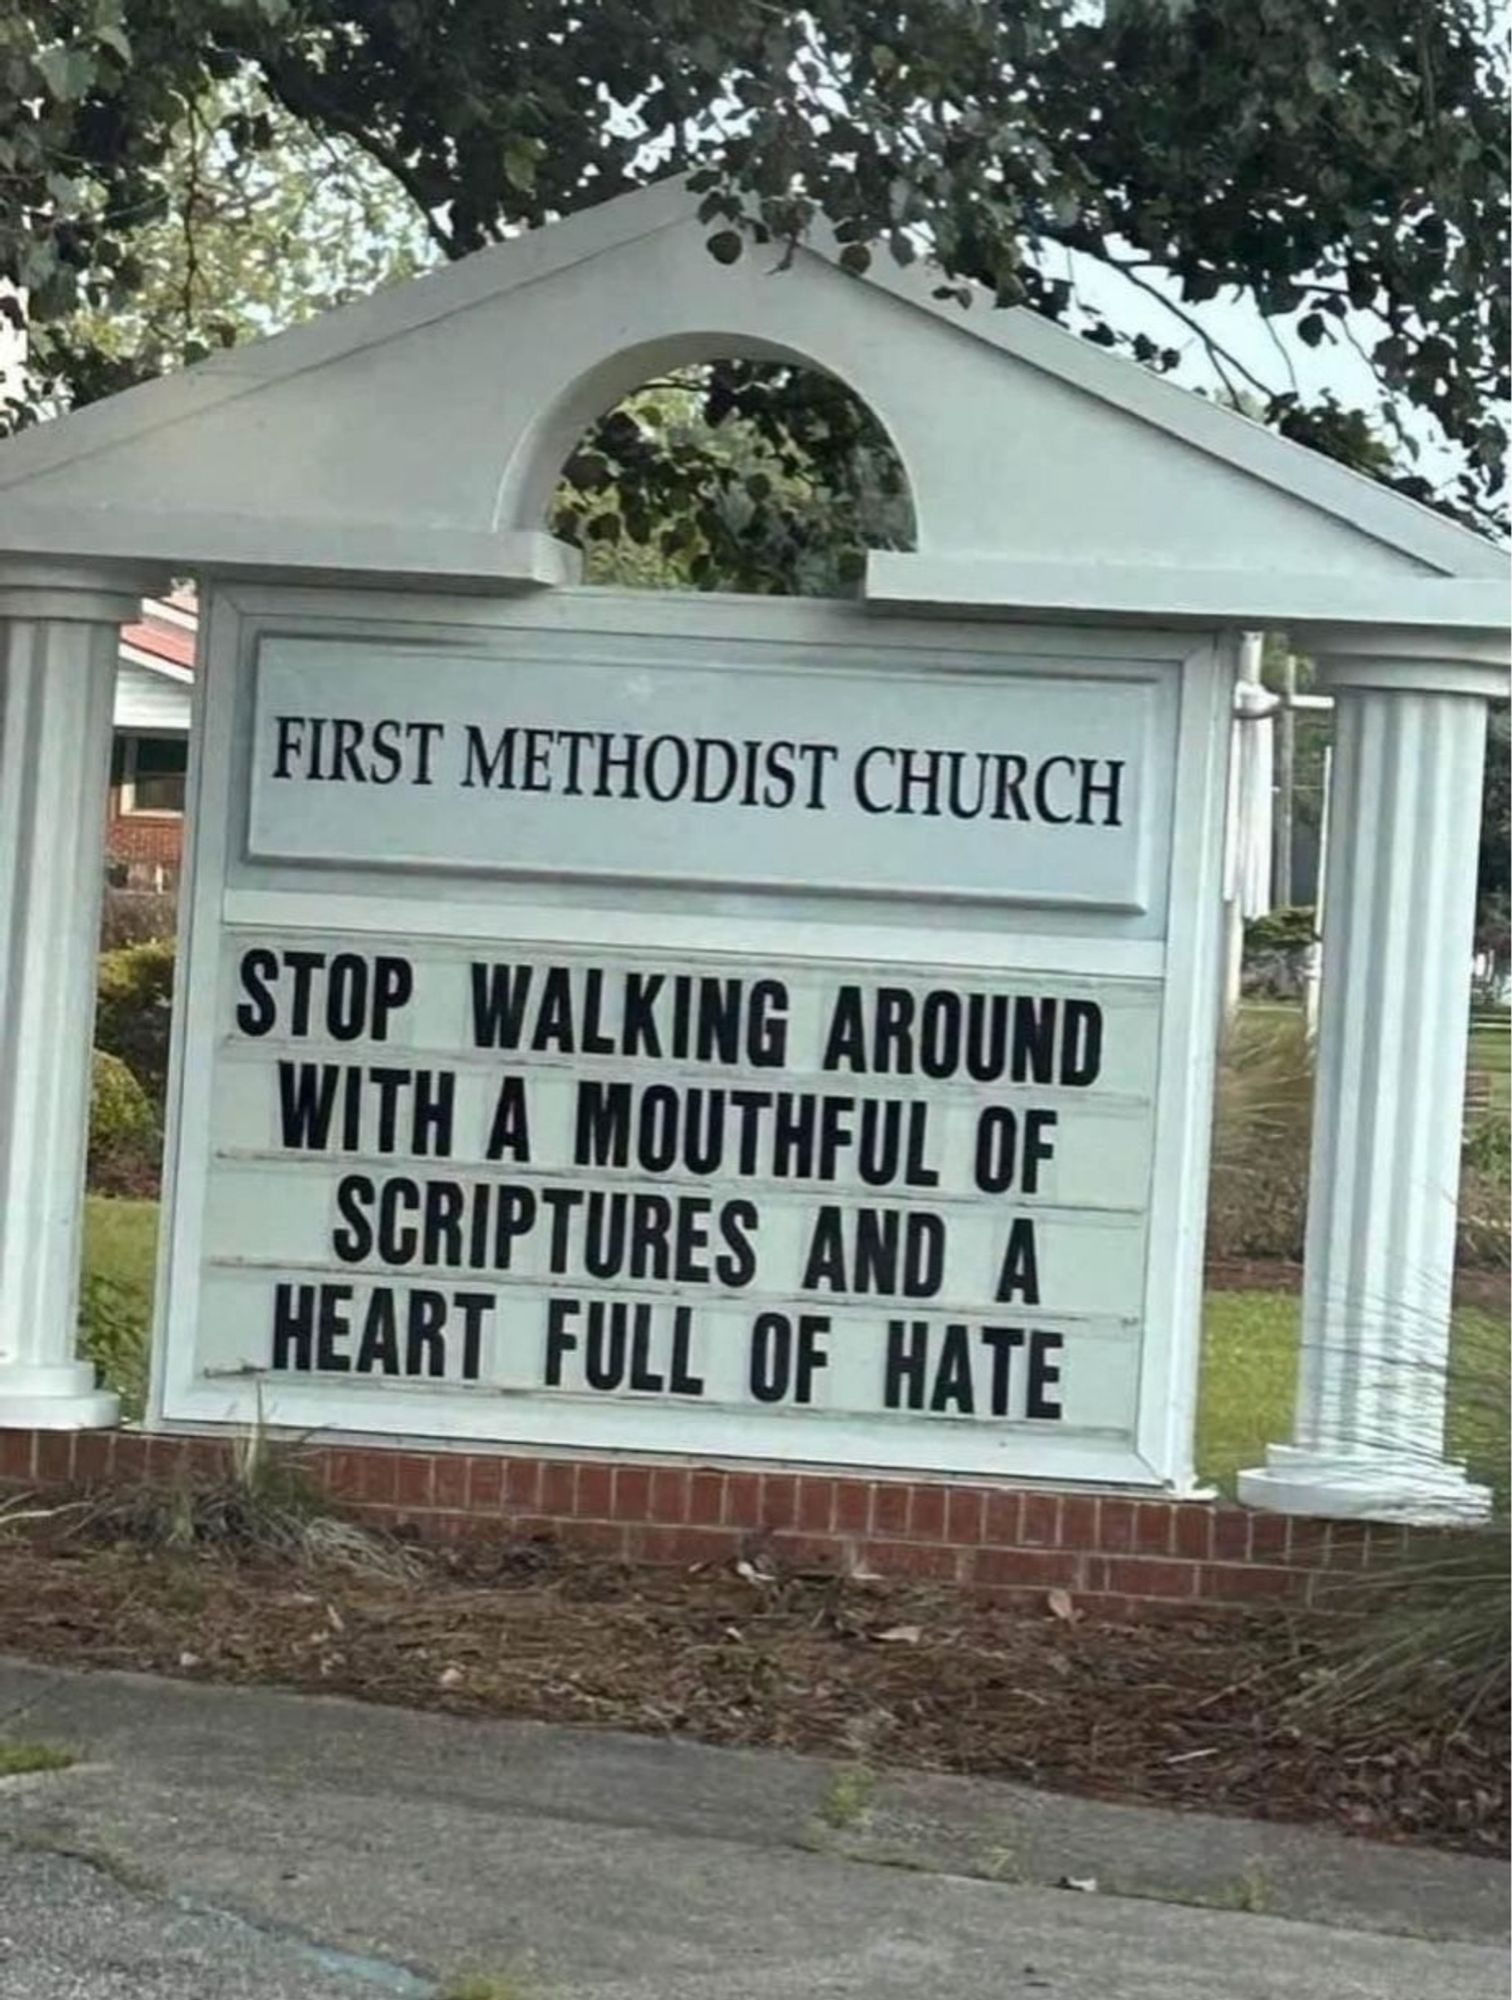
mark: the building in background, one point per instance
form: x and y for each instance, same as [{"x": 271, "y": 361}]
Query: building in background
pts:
[{"x": 144, "y": 828}]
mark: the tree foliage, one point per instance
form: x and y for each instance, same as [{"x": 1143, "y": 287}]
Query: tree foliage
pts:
[{"x": 1342, "y": 162}]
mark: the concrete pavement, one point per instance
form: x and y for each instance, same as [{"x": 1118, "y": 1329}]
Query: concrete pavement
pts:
[{"x": 222, "y": 1842}]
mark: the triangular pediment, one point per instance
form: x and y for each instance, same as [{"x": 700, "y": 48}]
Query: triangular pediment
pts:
[{"x": 419, "y": 433}]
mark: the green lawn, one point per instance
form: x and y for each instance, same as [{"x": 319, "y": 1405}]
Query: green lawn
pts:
[
  {"x": 1491, "y": 1052},
  {"x": 1249, "y": 1354},
  {"x": 120, "y": 1241}
]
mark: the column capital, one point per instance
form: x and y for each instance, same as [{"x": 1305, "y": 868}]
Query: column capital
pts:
[
  {"x": 88, "y": 593},
  {"x": 1410, "y": 660}
]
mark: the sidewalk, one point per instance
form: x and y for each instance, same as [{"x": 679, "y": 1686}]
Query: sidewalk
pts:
[{"x": 215, "y": 1843}]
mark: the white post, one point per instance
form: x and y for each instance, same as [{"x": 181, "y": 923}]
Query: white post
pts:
[
  {"x": 1247, "y": 826},
  {"x": 58, "y": 651},
  {"x": 1404, "y": 824},
  {"x": 1312, "y": 970}
]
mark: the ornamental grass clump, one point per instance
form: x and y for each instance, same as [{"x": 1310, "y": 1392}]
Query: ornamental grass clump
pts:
[
  {"x": 1426, "y": 1631},
  {"x": 262, "y": 1503}
]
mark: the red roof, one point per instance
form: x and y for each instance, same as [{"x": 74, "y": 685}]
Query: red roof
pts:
[{"x": 164, "y": 637}]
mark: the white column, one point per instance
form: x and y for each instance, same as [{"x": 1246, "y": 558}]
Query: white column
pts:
[
  {"x": 1404, "y": 820},
  {"x": 58, "y": 651}
]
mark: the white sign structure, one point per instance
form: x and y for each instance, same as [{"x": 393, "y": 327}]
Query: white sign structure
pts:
[
  {"x": 427, "y": 765},
  {"x": 718, "y": 1039}
]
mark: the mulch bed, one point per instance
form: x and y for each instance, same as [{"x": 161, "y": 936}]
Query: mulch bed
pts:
[{"x": 1197, "y": 1713}]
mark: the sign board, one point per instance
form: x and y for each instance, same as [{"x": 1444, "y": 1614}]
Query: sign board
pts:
[{"x": 728, "y": 1029}]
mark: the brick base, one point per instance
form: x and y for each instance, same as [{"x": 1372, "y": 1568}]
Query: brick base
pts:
[{"x": 1116, "y": 1555}]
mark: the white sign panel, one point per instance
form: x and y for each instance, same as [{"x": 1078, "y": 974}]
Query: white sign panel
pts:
[
  {"x": 676, "y": 1035},
  {"x": 587, "y": 1175},
  {"x": 1029, "y": 789}
]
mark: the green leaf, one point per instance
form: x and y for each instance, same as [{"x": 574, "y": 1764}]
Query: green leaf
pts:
[{"x": 67, "y": 72}]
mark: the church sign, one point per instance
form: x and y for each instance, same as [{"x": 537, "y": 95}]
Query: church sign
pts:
[{"x": 737, "y": 1029}]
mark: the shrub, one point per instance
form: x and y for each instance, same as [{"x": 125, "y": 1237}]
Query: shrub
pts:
[
  {"x": 133, "y": 1008},
  {"x": 1289, "y": 929},
  {"x": 1262, "y": 1134},
  {"x": 136, "y": 916},
  {"x": 113, "y": 1334},
  {"x": 125, "y": 1134},
  {"x": 1262, "y": 1130}
]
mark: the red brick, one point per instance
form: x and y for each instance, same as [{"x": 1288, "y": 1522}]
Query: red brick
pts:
[
  {"x": 485, "y": 1484},
  {"x": 852, "y": 1506},
  {"x": 1152, "y": 1528},
  {"x": 449, "y": 1481},
  {"x": 779, "y": 1499},
  {"x": 208, "y": 1459},
  {"x": 130, "y": 1455},
  {"x": 1348, "y": 1543},
  {"x": 632, "y": 1492},
  {"x": 414, "y": 1477},
  {"x": 926, "y": 1514},
  {"x": 1001, "y": 1527},
  {"x": 1309, "y": 1543},
  {"x": 963, "y": 1516},
  {"x": 604, "y": 1538},
  {"x": 342, "y": 1475},
  {"x": 816, "y": 1505},
  {"x": 742, "y": 1499},
  {"x": 378, "y": 1476},
  {"x": 706, "y": 1499},
  {"x": 1040, "y": 1521},
  {"x": 594, "y": 1498},
  {"x": 1078, "y": 1527},
  {"x": 1235, "y": 1583},
  {"x": 669, "y": 1494},
  {"x": 1135, "y": 1576},
  {"x": 1039, "y": 1569},
  {"x": 1231, "y": 1535},
  {"x": 1340, "y": 1590},
  {"x": 16, "y": 1454},
  {"x": 657, "y": 1542},
  {"x": 926, "y": 1559},
  {"x": 1115, "y": 1525},
  {"x": 806, "y": 1552},
  {"x": 558, "y": 1487},
  {"x": 92, "y": 1456},
  {"x": 889, "y": 1508},
  {"x": 1192, "y": 1531},
  {"x": 1385, "y": 1542},
  {"x": 1270, "y": 1537},
  {"x": 522, "y": 1483},
  {"x": 54, "y": 1458}
]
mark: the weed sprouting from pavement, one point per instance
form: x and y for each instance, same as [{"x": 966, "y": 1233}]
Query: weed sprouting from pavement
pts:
[
  {"x": 18, "y": 1759},
  {"x": 846, "y": 1799}
]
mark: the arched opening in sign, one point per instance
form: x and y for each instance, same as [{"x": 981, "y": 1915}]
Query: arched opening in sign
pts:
[{"x": 751, "y": 475}]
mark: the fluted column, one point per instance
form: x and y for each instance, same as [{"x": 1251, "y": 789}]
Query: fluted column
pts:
[
  {"x": 1404, "y": 822},
  {"x": 58, "y": 652}
]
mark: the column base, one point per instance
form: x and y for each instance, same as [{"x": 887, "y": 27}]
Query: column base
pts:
[
  {"x": 55, "y": 1399},
  {"x": 1364, "y": 1486}
]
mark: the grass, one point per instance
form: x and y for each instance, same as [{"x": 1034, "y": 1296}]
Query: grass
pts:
[
  {"x": 120, "y": 1241},
  {"x": 1491, "y": 1053},
  {"x": 1249, "y": 1353},
  {"x": 846, "y": 1799},
  {"x": 17, "y": 1759},
  {"x": 1249, "y": 1364}
]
